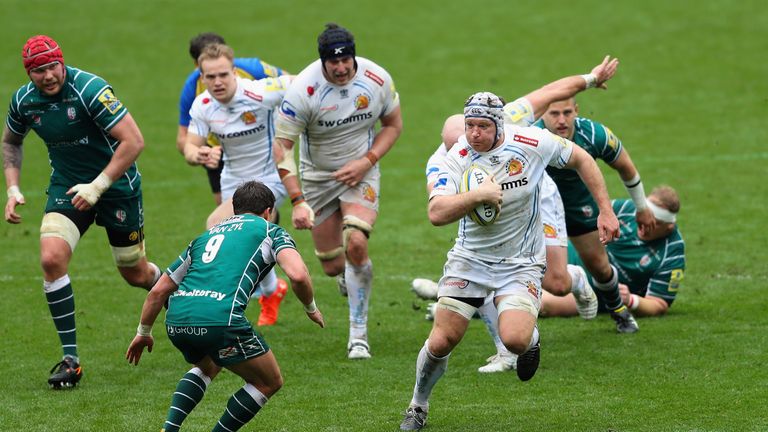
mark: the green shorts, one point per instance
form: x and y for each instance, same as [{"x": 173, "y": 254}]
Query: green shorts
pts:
[
  {"x": 123, "y": 218},
  {"x": 224, "y": 345},
  {"x": 581, "y": 216}
]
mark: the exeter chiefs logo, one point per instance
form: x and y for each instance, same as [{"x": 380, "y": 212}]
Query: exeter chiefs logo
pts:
[
  {"x": 532, "y": 290},
  {"x": 248, "y": 117},
  {"x": 368, "y": 193},
  {"x": 549, "y": 231},
  {"x": 361, "y": 102},
  {"x": 515, "y": 167}
]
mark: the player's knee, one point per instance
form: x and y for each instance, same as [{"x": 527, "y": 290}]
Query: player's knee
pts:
[
  {"x": 128, "y": 256},
  {"x": 355, "y": 233},
  {"x": 53, "y": 261},
  {"x": 59, "y": 226},
  {"x": 441, "y": 344},
  {"x": 515, "y": 342},
  {"x": 556, "y": 283}
]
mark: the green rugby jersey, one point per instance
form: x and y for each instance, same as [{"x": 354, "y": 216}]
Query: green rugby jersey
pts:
[
  {"x": 656, "y": 267},
  {"x": 600, "y": 143},
  {"x": 221, "y": 268},
  {"x": 75, "y": 125}
]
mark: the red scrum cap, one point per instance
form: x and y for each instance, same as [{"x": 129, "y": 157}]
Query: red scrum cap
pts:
[{"x": 40, "y": 50}]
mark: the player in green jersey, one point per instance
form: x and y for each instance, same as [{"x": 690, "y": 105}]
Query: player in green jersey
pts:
[
  {"x": 93, "y": 143},
  {"x": 580, "y": 209},
  {"x": 207, "y": 289},
  {"x": 650, "y": 264}
]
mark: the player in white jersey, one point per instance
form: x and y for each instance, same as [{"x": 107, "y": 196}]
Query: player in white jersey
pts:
[
  {"x": 559, "y": 278},
  {"x": 239, "y": 112},
  {"x": 505, "y": 259},
  {"x": 334, "y": 104}
]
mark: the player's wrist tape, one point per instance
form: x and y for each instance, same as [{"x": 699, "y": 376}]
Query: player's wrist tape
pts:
[
  {"x": 311, "y": 307},
  {"x": 372, "y": 158},
  {"x": 144, "y": 330},
  {"x": 309, "y": 209},
  {"x": 297, "y": 199},
  {"x": 634, "y": 301},
  {"x": 636, "y": 191},
  {"x": 14, "y": 192},
  {"x": 102, "y": 182},
  {"x": 590, "y": 79}
]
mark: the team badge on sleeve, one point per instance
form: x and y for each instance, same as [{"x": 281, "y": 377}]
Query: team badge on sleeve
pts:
[
  {"x": 110, "y": 102},
  {"x": 611, "y": 139}
]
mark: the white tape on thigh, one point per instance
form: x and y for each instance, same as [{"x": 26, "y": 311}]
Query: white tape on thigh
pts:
[
  {"x": 464, "y": 309},
  {"x": 329, "y": 255},
  {"x": 353, "y": 223},
  {"x": 518, "y": 302},
  {"x": 128, "y": 256},
  {"x": 58, "y": 225}
]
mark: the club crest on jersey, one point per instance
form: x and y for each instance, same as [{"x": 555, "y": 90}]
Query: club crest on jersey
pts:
[
  {"x": 526, "y": 140},
  {"x": 248, "y": 117},
  {"x": 587, "y": 211},
  {"x": 532, "y": 290},
  {"x": 368, "y": 193},
  {"x": 36, "y": 120},
  {"x": 515, "y": 167},
  {"x": 645, "y": 260},
  {"x": 110, "y": 102},
  {"x": 361, "y": 102},
  {"x": 120, "y": 215},
  {"x": 71, "y": 113},
  {"x": 549, "y": 231}
]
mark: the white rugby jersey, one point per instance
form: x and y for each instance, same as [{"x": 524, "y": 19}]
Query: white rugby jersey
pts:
[
  {"x": 517, "y": 165},
  {"x": 337, "y": 122},
  {"x": 244, "y": 126}
]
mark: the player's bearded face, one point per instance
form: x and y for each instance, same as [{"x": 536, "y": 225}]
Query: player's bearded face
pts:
[
  {"x": 560, "y": 117},
  {"x": 340, "y": 70},
  {"x": 219, "y": 78},
  {"x": 481, "y": 133},
  {"x": 48, "y": 78}
]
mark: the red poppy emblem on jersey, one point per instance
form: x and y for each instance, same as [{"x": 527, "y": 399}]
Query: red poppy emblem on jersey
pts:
[
  {"x": 310, "y": 90},
  {"x": 463, "y": 152},
  {"x": 249, "y": 117},
  {"x": 526, "y": 140},
  {"x": 206, "y": 100}
]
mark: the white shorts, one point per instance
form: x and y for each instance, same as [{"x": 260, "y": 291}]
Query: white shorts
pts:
[
  {"x": 468, "y": 277},
  {"x": 230, "y": 184},
  {"x": 552, "y": 214},
  {"x": 325, "y": 196}
]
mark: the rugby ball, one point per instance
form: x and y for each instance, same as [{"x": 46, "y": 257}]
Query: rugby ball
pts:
[{"x": 484, "y": 214}]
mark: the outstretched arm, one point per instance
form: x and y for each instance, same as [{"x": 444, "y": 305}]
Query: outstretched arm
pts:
[
  {"x": 568, "y": 87},
  {"x": 586, "y": 167},
  {"x": 631, "y": 178},
  {"x": 153, "y": 304}
]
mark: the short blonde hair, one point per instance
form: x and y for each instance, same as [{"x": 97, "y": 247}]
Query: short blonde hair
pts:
[
  {"x": 667, "y": 198},
  {"x": 214, "y": 51}
]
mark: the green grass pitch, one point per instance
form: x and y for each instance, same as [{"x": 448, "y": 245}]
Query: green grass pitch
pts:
[{"x": 690, "y": 102}]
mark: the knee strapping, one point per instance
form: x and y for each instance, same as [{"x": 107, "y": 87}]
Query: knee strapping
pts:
[
  {"x": 329, "y": 255},
  {"x": 464, "y": 309},
  {"x": 58, "y": 225},
  {"x": 128, "y": 256},
  {"x": 518, "y": 303},
  {"x": 354, "y": 223}
]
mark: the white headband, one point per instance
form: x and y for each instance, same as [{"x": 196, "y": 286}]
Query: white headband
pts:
[{"x": 662, "y": 214}]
